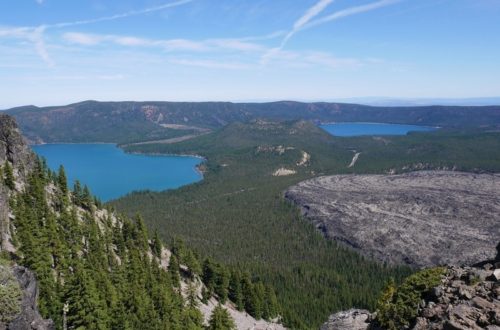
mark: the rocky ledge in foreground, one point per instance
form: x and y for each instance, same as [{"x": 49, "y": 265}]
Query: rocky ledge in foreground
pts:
[
  {"x": 421, "y": 219},
  {"x": 466, "y": 298},
  {"x": 25, "y": 315}
]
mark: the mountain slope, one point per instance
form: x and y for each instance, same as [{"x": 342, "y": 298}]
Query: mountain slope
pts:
[
  {"x": 121, "y": 122},
  {"x": 96, "y": 269}
]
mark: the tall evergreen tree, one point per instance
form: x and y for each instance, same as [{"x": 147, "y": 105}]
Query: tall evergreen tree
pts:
[
  {"x": 220, "y": 319},
  {"x": 9, "y": 176},
  {"x": 157, "y": 245},
  {"x": 62, "y": 180},
  {"x": 235, "y": 292}
]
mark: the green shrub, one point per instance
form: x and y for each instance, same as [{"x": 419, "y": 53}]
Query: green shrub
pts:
[
  {"x": 10, "y": 294},
  {"x": 397, "y": 307}
]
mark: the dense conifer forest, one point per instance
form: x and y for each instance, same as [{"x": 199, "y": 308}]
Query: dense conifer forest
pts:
[{"x": 237, "y": 214}]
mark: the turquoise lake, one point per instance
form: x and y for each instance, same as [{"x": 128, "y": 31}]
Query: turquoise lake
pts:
[
  {"x": 110, "y": 172},
  {"x": 359, "y": 129}
]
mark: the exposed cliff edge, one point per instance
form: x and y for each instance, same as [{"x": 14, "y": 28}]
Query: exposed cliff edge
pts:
[
  {"x": 13, "y": 147},
  {"x": 421, "y": 219},
  {"x": 15, "y": 152}
]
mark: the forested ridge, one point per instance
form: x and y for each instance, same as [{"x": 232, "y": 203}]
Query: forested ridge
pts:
[{"x": 125, "y": 122}]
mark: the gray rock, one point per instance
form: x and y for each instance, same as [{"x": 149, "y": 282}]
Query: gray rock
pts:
[
  {"x": 446, "y": 307},
  {"x": 353, "y": 319},
  {"x": 30, "y": 317},
  {"x": 421, "y": 219},
  {"x": 13, "y": 148},
  {"x": 496, "y": 274}
]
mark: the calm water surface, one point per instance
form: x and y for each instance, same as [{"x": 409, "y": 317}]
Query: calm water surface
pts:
[
  {"x": 110, "y": 172},
  {"x": 357, "y": 129}
]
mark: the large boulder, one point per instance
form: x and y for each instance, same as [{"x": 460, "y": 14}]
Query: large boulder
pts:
[{"x": 353, "y": 319}]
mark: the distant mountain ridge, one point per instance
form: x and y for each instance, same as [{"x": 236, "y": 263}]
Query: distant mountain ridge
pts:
[{"x": 121, "y": 122}]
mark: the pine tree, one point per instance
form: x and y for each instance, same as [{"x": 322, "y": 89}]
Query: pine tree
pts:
[
  {"x": 157, "y": 245},
  {"x": 222, "y": 284},
  {"x": 86, "y": 308},
  {"x": 9, "y": 176},
  {"x": 272, "y": 303},
  {"x": 250, "y": 298},
  {"x": 77, "y": 193},
  {"x": 192, "y": 264},
  {"x": 209, "y": 275},
  {"x": 220, "y": 319},
  {"x": 87, "y": 200},
  {"x": 235, "y": 293},
  {"x": 173, "y": 269},
  {"x": 62, "y": 181}
]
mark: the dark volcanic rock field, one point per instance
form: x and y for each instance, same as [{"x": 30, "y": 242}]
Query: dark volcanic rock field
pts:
[{"x": 421, "y": 219}]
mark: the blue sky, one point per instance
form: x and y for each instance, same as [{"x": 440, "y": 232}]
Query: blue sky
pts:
[{"x": 59, "y": 51}]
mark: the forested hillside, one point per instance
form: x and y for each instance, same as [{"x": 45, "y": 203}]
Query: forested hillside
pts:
[
  {"x": 237, "y": 213},
  {"x": 124, "y": 122}
]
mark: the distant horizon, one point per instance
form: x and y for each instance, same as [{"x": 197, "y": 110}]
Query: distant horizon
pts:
[{"x": 363, "y": 100}]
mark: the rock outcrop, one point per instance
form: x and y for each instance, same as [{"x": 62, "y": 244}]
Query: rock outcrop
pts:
[
  {"x": 353, "y": 319},
  {"x": 421, "y": 218},
  {"x": 468, "y": 298},
  {"x": 29, "y": 318},
  {"x": 13, "y": 147}
]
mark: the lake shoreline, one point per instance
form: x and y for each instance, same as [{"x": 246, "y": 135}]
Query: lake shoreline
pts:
[{"x": 102, "y": 166}]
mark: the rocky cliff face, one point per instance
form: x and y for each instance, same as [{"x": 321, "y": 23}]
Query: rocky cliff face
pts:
[
  {"x": 467, "y": 298},
  {"x": 421, "y": 219},
  {"x": 13, "y": 149}
]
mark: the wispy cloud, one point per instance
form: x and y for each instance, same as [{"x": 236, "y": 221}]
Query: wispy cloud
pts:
[
  {"x": 36, "y": 34},
  {"x": 211, "y": 64},
  {"x": 304, "y": 19},
  {"x": 33, "y": 35},
  {"x": 121, "y": 15},
  {"x": 350, "y": 11},
  {"x": 38, "y": 40},
  {"x": 242, "y": 45}
]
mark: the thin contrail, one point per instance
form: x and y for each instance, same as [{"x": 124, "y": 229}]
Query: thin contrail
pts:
[
  {"x": 306, "y": 17},
  {"x": 350, "y": 11},
  {"x": 305, "y": 21},
  {"x": 118, "y": 16}
]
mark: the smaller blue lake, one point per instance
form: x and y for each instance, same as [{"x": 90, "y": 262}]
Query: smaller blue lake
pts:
[
  {"x": 359, "y": 129},
  {"x": 110, "y": 172}
]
